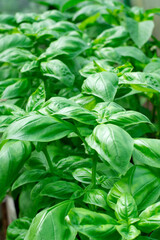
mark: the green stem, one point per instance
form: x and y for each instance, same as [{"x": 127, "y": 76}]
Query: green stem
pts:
[
  {"x": 94, "y": 159},
  {"x": 48, "y": 160},
  {"x": 94, "y": 172}
]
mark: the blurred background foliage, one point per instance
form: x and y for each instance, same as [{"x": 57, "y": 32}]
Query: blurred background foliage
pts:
[{"x": 13, "y": 6}]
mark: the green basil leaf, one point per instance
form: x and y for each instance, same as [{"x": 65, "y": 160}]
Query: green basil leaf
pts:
[
  {"x": 133, "y": 52},
  {"x": 105, "y": 110},
  {"x": 10, "y": 109},
  {"x": 146, "y": 151},
  {"x": 146, "y": 82},
  {"x": 110, "y": 143},
  {"x": 29, "y": 207},
  {"x": 63, "y": 27},
  {"x": 28, "y": 66},
  {"x": 88, "y": 21},
  {"x": 128, "y": 232},
  {"x": 36, "y": 190},
  {"x": 39, "y": 29},
  {"x": 66, "y": 166},
  {"x": 13, "y": 155},
  {"x": 126, "y": 209},
  {"x": 16, "y": 56},
  {"x": 5, "y": 28},
  {"x": 126, "y": 119},
  {"x": 8, "y": 72},
  {"x": 152, "y": 67},
  {"x": 113, "y": 36},
  {"x": 57, "y": 69},
  {"x": 96, "y": 197},
  {"x": 25, "y": 17},
  {"x": 83, "y": 175},
  {"x": 132, "y": 122},
  {"x": 18, "y": 228},
  {"x": 66, "y": 109},
  {"x": 140, "y": 32},
  {"x": 5, "y": 121},
  {"x": 92, "y": 224},
  {"x": 70, "y": 46},
  {"x": 61, "y": 190},
  {"x": 6, "y": 83},
  {"x": 87, "y": 102},
  {"x": 103, "y": 85},
  {"x": 7, "y": 18},
  {"x": 37, "y": 127},
  {"x": 37, "y": 160},
  {"x": 50, "y": 224},
  {"x": 95, "y": 67},
  {"x": 88, "y": 10},
  {"x": 55, "y": 15},
  {"x": 141, "y": 183},
  {"x": 110, "y": 55},
  {"x": 71, "y": 162},
  {"x": 14, "y": 40},
  {"x": 37, "y": 99},
  {"x": 30, "y": 176},
  {"x": 150, "y": 218},
  {"x": 79, "y": 114},
  {"x": 18, "y": 89}
]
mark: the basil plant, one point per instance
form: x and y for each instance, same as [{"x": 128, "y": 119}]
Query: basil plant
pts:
[{"x": 80, "y": 121}]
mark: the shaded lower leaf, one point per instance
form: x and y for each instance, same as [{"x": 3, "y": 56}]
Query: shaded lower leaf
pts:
[
  {"x": 13, "y": 155},
  {"x": 30, "y": 176},
  {"x": 39, "y": 187},
  {"x": 18, "y": 89},
  {"x": 60, "y": 189},
  {"x": 18, "y": 228}
]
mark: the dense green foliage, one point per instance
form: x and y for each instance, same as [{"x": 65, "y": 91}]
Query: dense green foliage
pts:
[{"x": 80, "y": 121}]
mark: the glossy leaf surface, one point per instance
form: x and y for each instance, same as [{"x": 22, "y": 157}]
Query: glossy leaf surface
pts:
[
  {"x": 126, "y": 209},
  {"x": 146, "y": 151},
  {"x": 13, "y": 155},
  {"x": 50, "y": 224},
  {"x": 103, "y": 85},
  {"x": 37, "y": 99},
  {"x": 110, "y": 143},
  {"x": 92, "y": 224},
  {"x": 150, "y": 218},
  {"x": 57, "y": 69},
  {"x": 141, "y": 183},
  {"x": 37, "y": 127}
]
